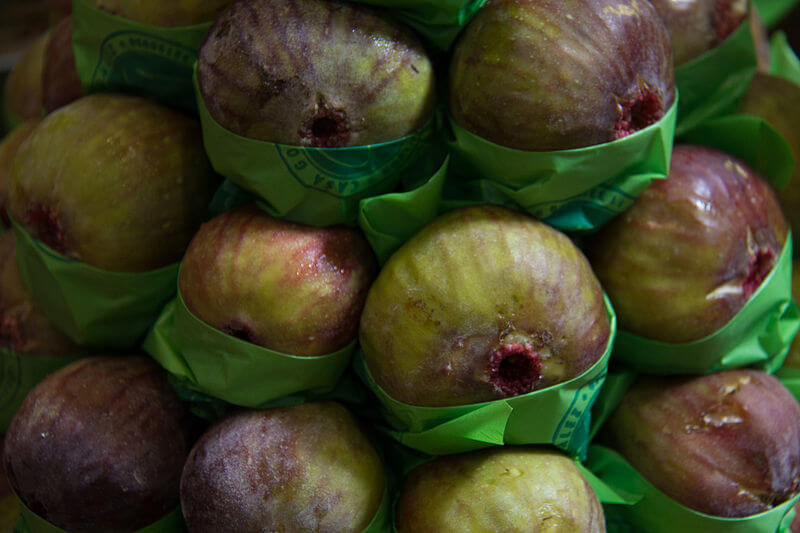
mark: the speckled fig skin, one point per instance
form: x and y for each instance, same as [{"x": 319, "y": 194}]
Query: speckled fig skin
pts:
[
  {"x": 509, "y": 489},
  {"x": 22, "y": 93},
  {"x": 690, "y": 252},
  {"x": 314, "y": 73},
  {"x": 99, "y": 445},
  {"x": 292, "y": 469},
  {"x": 696, "y": 26},
  {"x": 793, "y": 357},
  {"x": 114, "y": 181},
  {"x": 558, "y": 74},
  {"x": 8, "y": 150},
  {"x": 484, "y": 303},
  {"x": 725, "y": 444},
  {"x": 160, "y": 13},
  {"x": 291, "y": 288},
  {"x": 60, "y": 82}
]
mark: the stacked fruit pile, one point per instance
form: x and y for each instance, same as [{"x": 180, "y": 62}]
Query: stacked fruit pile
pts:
[{"x": 307, "y": 265}]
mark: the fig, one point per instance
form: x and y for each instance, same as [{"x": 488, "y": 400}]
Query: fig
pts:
[
  {"x": 60, "y": 82},
  {"x": 307, "y": 467},
  {"x": 509, "y": 489},
  {"x": 725, "y": 444},
  {"x": 554, "y": 75},
  {"x": 60, "y": 9},
  {"x": 291, "y": 288},
  {"x": 22, "y": 93},
  {"x": 159, "y": 13},
  {"x": 8, "y": 149},
  {"x": 9, "y": 508},
  {"x": 344, "y": 76},
  {"x": 484, "y": 303},
  {"x": 114, "y": 181},
  {"x": 692, "y": 250},
  {"x": 99, "y": 445}
]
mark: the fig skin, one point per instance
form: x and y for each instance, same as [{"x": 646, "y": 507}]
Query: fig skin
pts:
[
  {"x": 99, "y": 445},
  {"x": 8, "y": 150},
  {"x": 9, "y": 508},
  {"x": 160, "y": 13},
  {"x": 303, "y": 468},
  {"x": 60, "y": 82},
  {"x": 22, "y": 93},
  {"x": 484, "y": 303},
  {"x": 561, "y": 74},
  {"x": 689, "y": 253},
  {"x": 114, "y": 181},
  {"x": 509, "y": 489},
  {"x": 288, "y": 287},
  {"x": 725, "y": 444},
  {"x": 314, "y": 73}
]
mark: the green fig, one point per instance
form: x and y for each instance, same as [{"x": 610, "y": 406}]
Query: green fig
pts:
[
  {"x": 508, "y": 489},
  {"x": 291, "y": 469},
  {"x": 484, "y": 303},
  {"x": 22, "y": 92},
  {"x": 160, "y": 13},
  {"x": 8, "y": 149},
  {"x": 314, "y": 73}
]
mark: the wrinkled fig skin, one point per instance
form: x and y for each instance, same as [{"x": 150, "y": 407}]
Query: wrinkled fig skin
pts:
[
  {"x": 293, "y": 469},
  {"x": 60, "y": 82},
  {"x": 24, "y": 329},
  {"x": 314, "y": 73},
  {"x": 484, "y": 303},
  {"x": 559, "y": 74},
  {"x": 509, "y": 489},
  {"x": 696, "y": 26},
  {"x": 117, "y": 182},
  {"x": 22, "y": 94},
  {"x": 99, "y": 445},
  {"x": 793, "y": 357},
  {"x": 288, "y": 287},
  {"x": 8, "y": 150},
  {"x": 725, "y": 444},
  {"x": 687, "y": 256},
  {"x": 161, "y": 13}
]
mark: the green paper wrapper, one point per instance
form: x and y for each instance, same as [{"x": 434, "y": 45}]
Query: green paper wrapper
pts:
[
  {"x": 94, "y": 307},
  {"x": 10, "y": 120},
  {"x": 772, "y": 11},
  {"x": 790, "y": 377},
  {"x": 381, "y": 521},
  {"x": 783, "y": 61},
  {"x": 655, "y": 512},
  {"x": 237, "y": 371},
  {"x": 115, "y": 54},
  {"x": 572, "y": 190},
  {"x": 557, "y": 415},
  {"x": 759, "y": 335}
]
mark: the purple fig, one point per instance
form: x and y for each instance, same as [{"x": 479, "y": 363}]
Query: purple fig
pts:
[
  {"x": 484, "y": 303},
  {"x": 99, "y": 445},
  {"x": 691, "y": 251},
  {"x": 160, "y": 13},
  {"x": 288, "y": 287},
  {"x": 8, "y": 150},
  {"x": 303, "y": 468},
  {"x": 117, "y": 182},
  {"x": 560, "y": 74},
  {"x": 60, "y": 82},
  {"x": 509, "y": 489},
  {"x": 22, "y": 93},
  {"x": 725, "y": 444},
  {"x": 314, "y": 73}
]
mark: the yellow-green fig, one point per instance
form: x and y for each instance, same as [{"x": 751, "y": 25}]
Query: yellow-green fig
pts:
[
  {"x": 160, "y": 13},
  {"x": 8, "y": 149}
]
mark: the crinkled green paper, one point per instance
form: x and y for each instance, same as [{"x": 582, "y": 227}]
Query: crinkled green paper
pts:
[
  {"x": 783, "y": 60},
  {"x": 790, "y": 377},
  {"x": 115, "y": 54},
  {"x": 572, "y": 190},
  {"x": 93, "y": 307},
  {"x": 772, "y": 11}
]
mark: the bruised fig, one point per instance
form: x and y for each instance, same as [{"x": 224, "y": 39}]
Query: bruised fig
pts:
[
  {"x": 22, "y": 93},
  {"x": 509, "y": 489},
  {"x": 160, "y": 13},
  {"x": 8, "y": 149},
  {"x": 314, "y": 73},
  {"x": 60, "y": 82},
  {"x": 303, "y": 468},
  {"x": 560, "y": 74},
  {"x": 725, "y": 444},
  {"x": 288, "y": 287},
  {"x": 693, "y": 248},
  {"x": 484, "y": 303}
]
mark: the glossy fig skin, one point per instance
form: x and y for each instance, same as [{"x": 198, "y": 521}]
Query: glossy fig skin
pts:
[
  {"x": 307, "y": 467},
  {"x": 60, "y": 82},
  {"x": 8, "y": 150},
  {"x": 725, "y": 444},
  {"x": 314, "y": 73},
  {"x": 22, "y": 92},
  {"x": 561, "y": 74},
  {"x": 291, "y": 288},
  {"x": 99, "y": 445},
  {"x": 484, "y": 303},
  {"x": 689, "y": 253},
  {"x": 509, "y": 489},
  {"x": 160, "y": 13},
  {"x": 114, "y": 181}
]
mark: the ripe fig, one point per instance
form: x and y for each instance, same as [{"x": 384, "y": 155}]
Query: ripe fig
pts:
[
  {"x": 725, "y": 444},
  {"x": 22, "y": 93},
  {"x": 303, "y": 468},
  {"x": 484, "y": 303},
  {"x": 314, "y": 73},
  {"x": 510, "y": 489},
  {"x": 8, "y": 150},
  {"x": 117, "y": 182},
  {"x": 561, "y": 74},
  {"x": 159, "y": 13},
  {"x": 99, "y": 445},
  {"x": 60, "y": 82},
  {"x": 691, "y": 251},
  {"x": 291, "y": 288}
]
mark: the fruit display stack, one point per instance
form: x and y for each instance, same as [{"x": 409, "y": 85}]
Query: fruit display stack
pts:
[{"x": 402, "y": 266}]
